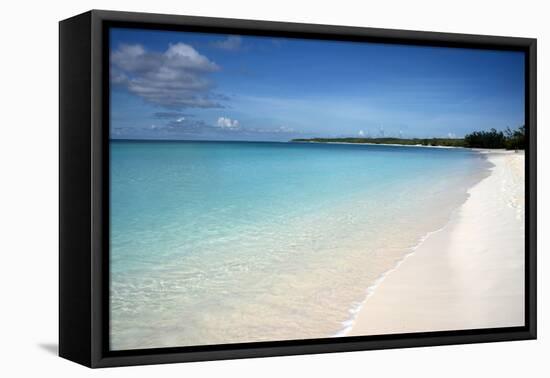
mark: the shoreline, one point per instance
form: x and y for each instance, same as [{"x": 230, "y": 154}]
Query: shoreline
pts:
[
  {"x": 391, "y": 145},
  {"x": 468, "y": 274},
  {"x": 356, "y": 310}
]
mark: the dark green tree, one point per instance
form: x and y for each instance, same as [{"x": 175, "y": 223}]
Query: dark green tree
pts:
[
  {"x": 515, "y": 139},
  {"x": 485, "y": 139}
]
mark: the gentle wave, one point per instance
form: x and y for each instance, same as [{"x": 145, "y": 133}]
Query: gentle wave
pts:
[{"x": 354, "y": 311}]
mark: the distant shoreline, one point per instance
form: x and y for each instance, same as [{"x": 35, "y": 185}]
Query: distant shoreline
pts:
[
  {"x": 378, "y": 144},
  {"x": 492, "y": 139},
  {"x": 390, "y": 141}
]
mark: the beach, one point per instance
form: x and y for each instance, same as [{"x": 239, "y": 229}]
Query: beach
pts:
[
  {"x": 468, "y": 274},
  {"x": 322, "y": 240}
]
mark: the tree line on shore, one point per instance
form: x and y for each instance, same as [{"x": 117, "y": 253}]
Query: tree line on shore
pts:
[{"x": 508, "y": 139}]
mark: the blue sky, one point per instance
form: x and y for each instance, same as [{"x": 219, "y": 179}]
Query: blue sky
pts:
[{"x": 179, "y": 85}]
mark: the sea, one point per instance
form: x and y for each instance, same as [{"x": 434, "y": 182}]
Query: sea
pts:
[{"x": 235, "y": 242}]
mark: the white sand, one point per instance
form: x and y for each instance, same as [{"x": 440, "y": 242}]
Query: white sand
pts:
[{"x": 468, "y": 275}]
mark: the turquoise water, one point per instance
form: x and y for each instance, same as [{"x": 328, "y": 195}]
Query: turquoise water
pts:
[{"x": 225, "y": 242}]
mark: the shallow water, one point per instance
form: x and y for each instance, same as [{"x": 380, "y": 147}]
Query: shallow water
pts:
[{"x": 227, "y": 242}]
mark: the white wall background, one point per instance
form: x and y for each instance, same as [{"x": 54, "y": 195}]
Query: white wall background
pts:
[{"x": 29, "y": 174}]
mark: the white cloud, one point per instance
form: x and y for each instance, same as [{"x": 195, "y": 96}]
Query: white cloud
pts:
[
  {"x": 361, "y": 133},
  {"x": 182, "y": 55},
  {"x": 231, "y": 43},
  {"x": 227, "y": 123},
  {"x": 176, "y": 78},
  {"x": 451, "y": 135},
  {"x": 284, "y": 129},
  {"x": 171, "y": 115}
]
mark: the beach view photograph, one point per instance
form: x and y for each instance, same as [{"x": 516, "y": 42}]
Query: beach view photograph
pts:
[{"x": 267, "y": 189}]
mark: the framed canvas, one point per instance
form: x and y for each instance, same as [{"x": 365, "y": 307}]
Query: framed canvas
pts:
[{"x": 235, "y": 188}]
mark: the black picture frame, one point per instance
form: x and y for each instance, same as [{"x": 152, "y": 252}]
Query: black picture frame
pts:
[{"x": 84, "y": 189}]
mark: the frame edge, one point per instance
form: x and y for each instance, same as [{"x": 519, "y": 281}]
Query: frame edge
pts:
[{"x": 74, "y": 190}]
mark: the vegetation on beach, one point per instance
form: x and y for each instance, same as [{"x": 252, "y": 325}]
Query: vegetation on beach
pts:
[{"x": 508, "y": 139}]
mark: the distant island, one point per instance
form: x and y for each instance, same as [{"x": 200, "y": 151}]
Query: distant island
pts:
[{"x": 509, "y": 139}]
